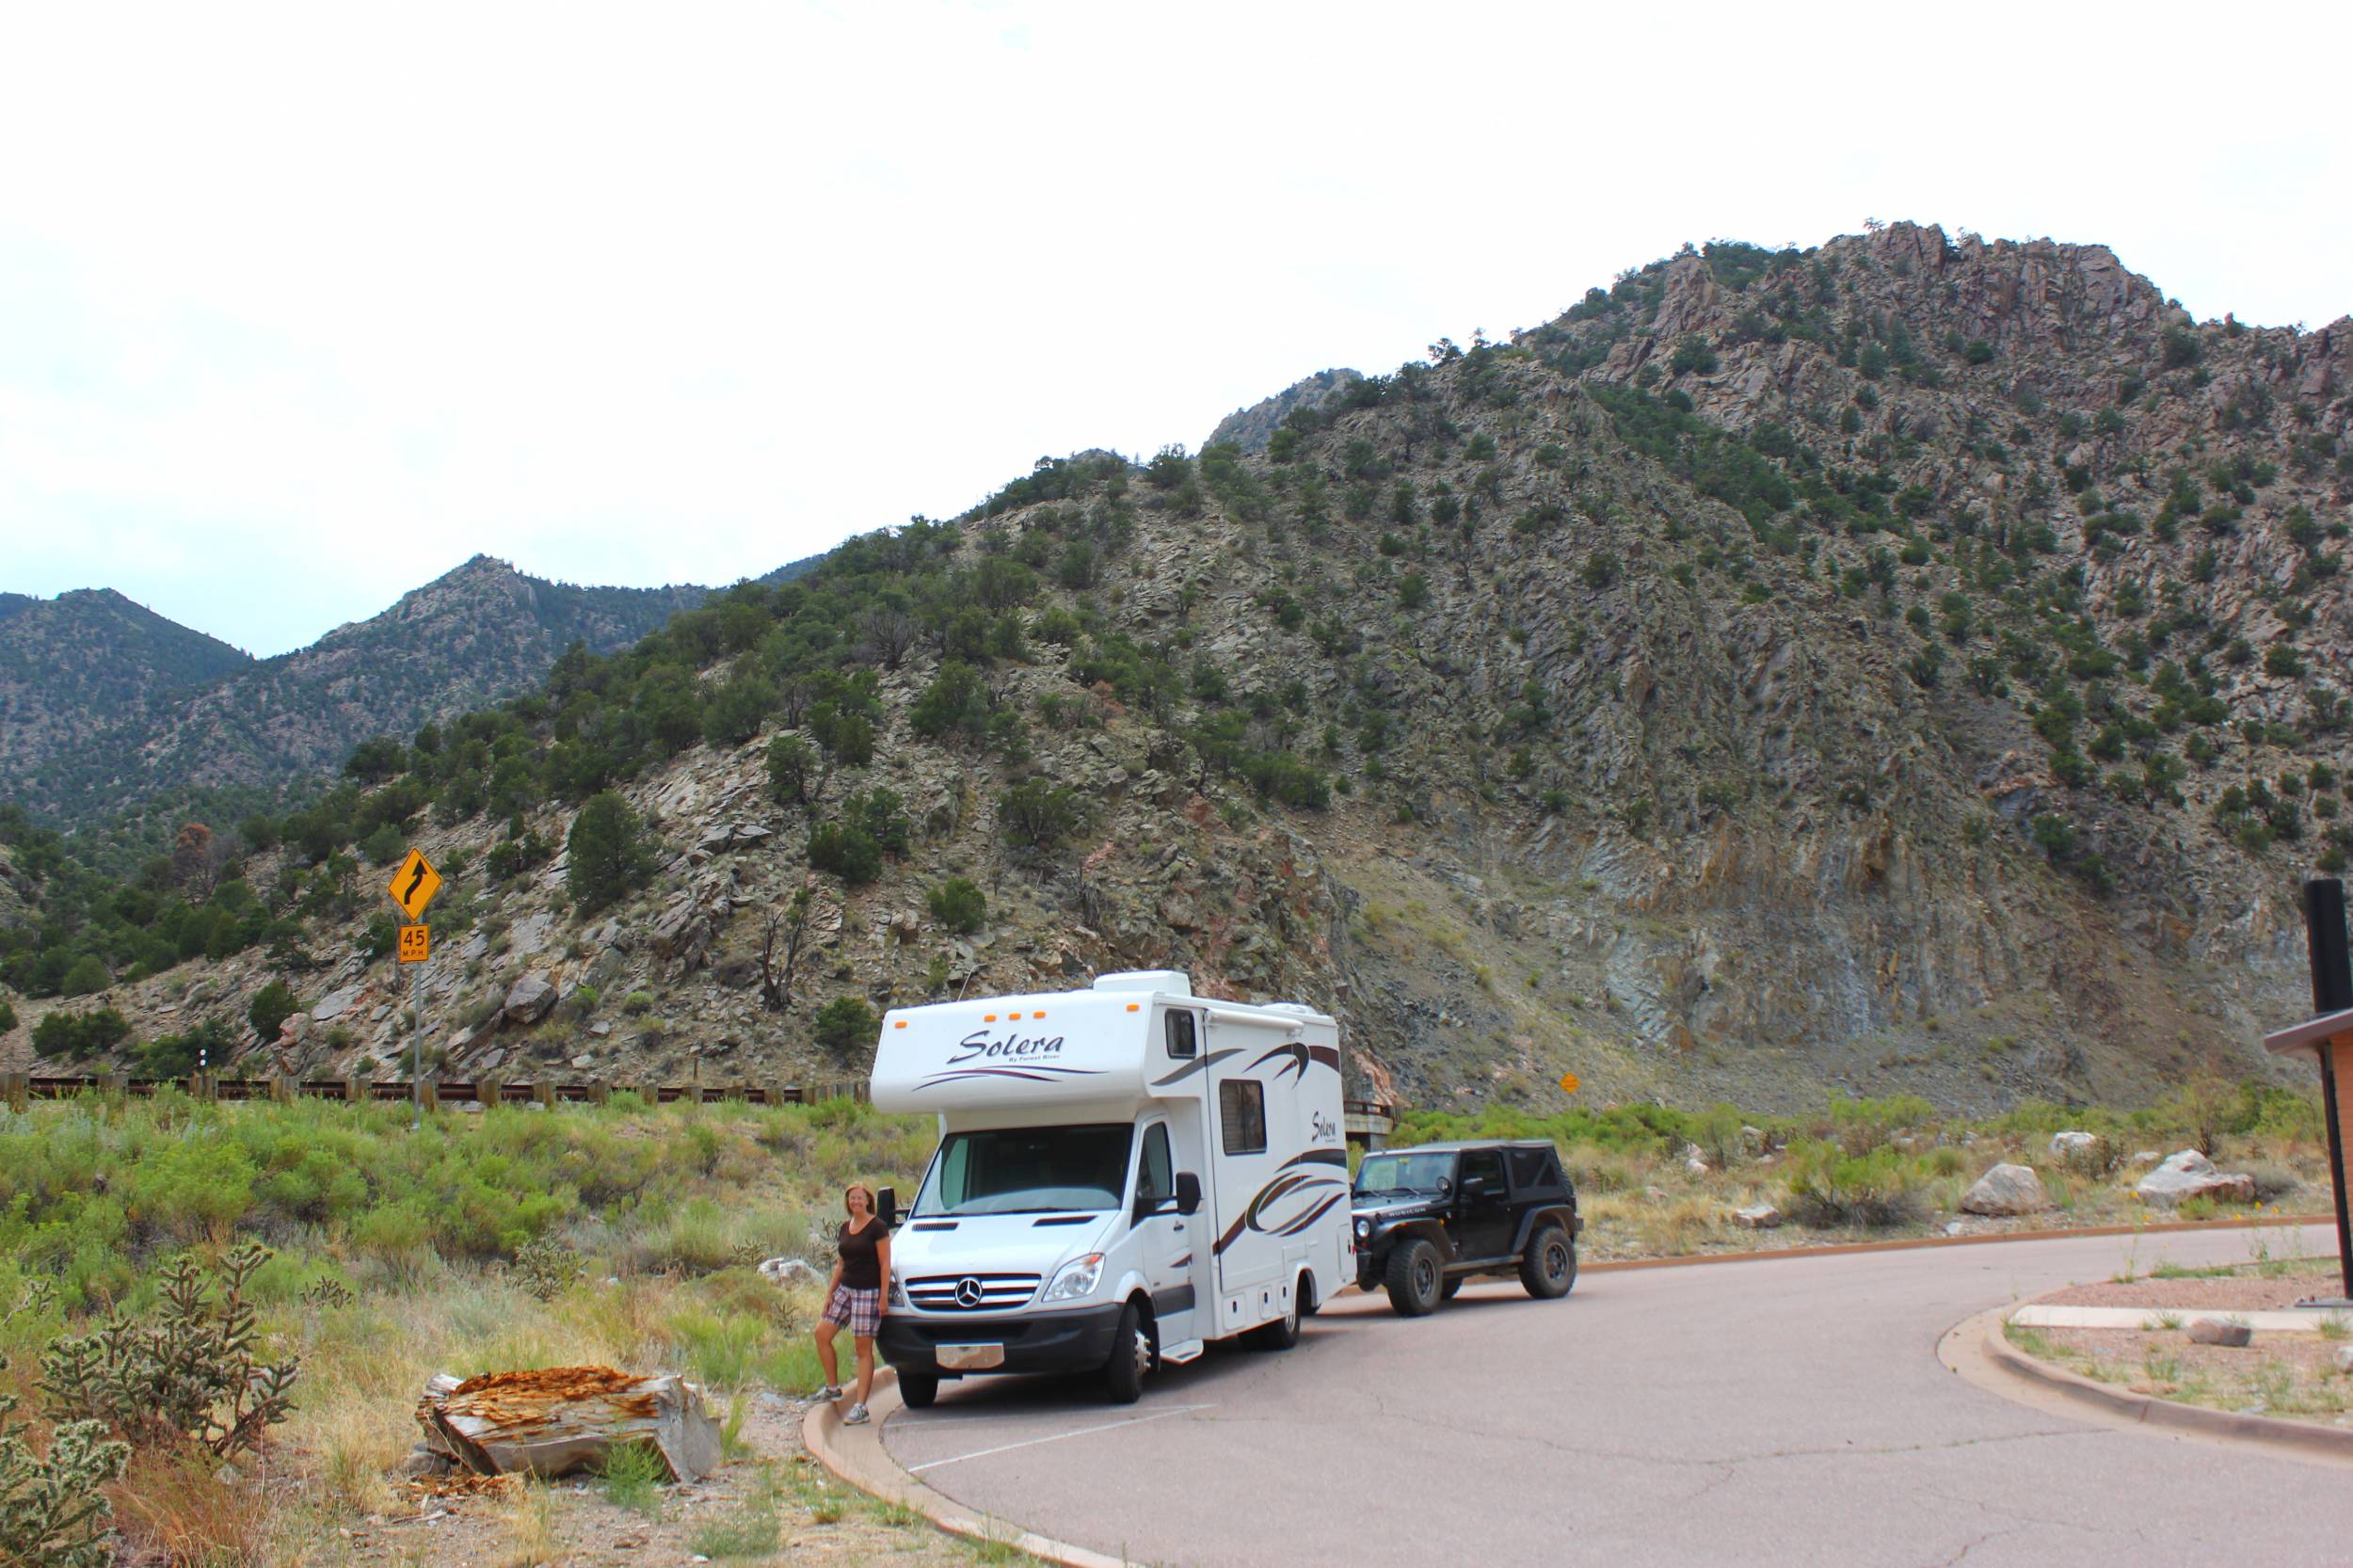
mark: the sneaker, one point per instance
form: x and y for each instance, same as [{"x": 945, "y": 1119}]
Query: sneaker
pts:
[
  {"x": 856, "y": 1417},
  {"x": 830, "y": 1394}
]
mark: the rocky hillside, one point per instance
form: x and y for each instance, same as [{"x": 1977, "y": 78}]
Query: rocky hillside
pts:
[
  {"x": 469, "y": 637},
  {"x": 69, "y": 664},
  {"x": 1901, "y": 663}
]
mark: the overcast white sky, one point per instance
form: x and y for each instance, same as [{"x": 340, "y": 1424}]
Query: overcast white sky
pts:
[{"x": 299, "y": 308}]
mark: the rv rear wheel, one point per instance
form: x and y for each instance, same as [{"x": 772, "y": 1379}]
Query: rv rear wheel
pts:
[
  {"x": 1131, "y": 1357},
  {"x": 1280, "y": 1335},
  {"x": 1413, "y": 1279},
  {"x": 917, "y": 1390}
]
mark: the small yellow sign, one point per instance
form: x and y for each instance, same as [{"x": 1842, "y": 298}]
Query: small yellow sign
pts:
[
  {"x": 413, "y": 886},
  {"x": 1568, "y": 1083},
  {"x": 416, "y": 944}
]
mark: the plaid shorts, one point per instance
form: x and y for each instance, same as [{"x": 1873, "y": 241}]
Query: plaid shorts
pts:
[{"x": 860, "y": 1311}]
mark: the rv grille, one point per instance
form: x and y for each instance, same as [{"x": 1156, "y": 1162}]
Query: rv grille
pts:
[{"x": 995, "y": 1292}]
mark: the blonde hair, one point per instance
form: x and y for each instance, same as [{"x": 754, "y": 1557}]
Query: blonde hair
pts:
[{"x": 859, "y": 1187}]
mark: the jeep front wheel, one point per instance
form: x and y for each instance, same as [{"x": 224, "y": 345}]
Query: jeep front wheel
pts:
[
  {"x": 1414, "y": 1280},
  {"x": 1548, "y": 1268}
]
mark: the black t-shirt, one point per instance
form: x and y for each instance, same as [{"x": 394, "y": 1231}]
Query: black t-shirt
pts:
[{"x": 861, "y": 1265}]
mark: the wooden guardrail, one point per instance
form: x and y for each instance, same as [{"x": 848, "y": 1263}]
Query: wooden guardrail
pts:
[{"x": 19, "y": 1089}]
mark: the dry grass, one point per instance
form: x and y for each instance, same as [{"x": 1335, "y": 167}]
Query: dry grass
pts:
[{"x": 169, "y": 1508}]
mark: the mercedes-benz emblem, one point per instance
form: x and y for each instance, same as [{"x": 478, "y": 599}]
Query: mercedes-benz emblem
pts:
[{"x": 968, "y": 1291}]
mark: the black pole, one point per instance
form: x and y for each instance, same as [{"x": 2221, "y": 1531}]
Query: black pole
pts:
[{"x": 2333, "y": 992}]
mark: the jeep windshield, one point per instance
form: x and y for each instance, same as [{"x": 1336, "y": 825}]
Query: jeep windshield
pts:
[
  {"x": 1404, "y": 1173},
  {"x": 1028, "y": 1170}
]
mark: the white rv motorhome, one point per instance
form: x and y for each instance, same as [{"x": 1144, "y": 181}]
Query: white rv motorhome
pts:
[{"x": 1124, "y": 1174}]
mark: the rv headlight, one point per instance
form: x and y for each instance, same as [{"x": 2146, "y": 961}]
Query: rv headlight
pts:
[
  {"x": 898, "y": 1290},
  {"x": 1076, "y": 1278}
]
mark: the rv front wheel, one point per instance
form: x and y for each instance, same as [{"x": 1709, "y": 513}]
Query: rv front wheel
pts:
[
  {"x": 1413, "y": 1279},
  {"x": 917, "y": 1390},
  {"x": 1131, "y": 1357}
]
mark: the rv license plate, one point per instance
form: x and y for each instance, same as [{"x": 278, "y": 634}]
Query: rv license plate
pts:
[{"x": 970, "y": 1358}]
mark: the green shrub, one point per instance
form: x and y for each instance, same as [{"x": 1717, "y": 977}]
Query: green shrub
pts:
[
  {"x": 845, "y": 1026},
  {"x": 959, "y": 904},
  {"x": 1872, "y": 1191},
  {"x": 1037, "y": 814},
  {"x": 76, "y": 1035},
  {"x": 637, "y": 1003},
  {"x": 86, "y": 977},
  {"x": 272, "y": 1005},
  {"x": 845, "y": 849},
  {"x": 606, "y": 854}
]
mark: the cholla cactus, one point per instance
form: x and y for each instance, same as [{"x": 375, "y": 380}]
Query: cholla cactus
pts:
[
  {"x": 190, "y": 1375},
  {"x": 51, "y": 1512}
]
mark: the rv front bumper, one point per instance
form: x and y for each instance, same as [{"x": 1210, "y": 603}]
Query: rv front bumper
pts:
[{"x": 1034, "y": 1342}]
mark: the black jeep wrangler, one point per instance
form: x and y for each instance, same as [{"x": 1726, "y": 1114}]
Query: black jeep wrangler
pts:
[{"x": 1430, "y": 1217}]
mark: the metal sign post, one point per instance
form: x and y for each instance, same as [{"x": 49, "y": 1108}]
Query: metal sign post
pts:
[
  {"x": 2326, "y": 1037},
  {"x": 2333, "y": 992},
  {"x": 412, "y": 887}
]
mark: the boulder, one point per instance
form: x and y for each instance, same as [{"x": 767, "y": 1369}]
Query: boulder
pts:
[
  {"x": 2221, "y": 1330},
  {"x": 2190, "y": 1174},
  {"x": 2345, "y": 1358},
  {"x": 2065, "y": 1143},
  {"x": 1757, "y": 1216},
  {"x": 786, "y": 1270},
  {"x": 2006, "y": 1189},
  {"x": 530, "y": 934},
  {"x": 335, "y": 1004},
  {"x": 530, "y": 999}
]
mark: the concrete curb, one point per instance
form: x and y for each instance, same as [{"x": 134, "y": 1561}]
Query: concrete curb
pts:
[
  {"x": 858, "y": 1457},
  {"x": 1979, "y": 1350}
]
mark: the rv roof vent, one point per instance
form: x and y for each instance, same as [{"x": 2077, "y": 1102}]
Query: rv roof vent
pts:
[
  {"x": 1172, "y": 982},
  {"x": 1298, "y": 1008}
]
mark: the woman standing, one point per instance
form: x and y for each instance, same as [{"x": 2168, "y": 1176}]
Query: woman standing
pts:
[{"x": 853, "y": 1297}]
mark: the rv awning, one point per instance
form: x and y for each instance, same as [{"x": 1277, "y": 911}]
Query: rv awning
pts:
[{"x": 2306, "y": 1038}]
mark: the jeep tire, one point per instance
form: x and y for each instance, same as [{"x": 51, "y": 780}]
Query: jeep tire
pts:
[
  {"x": 1414, "y": 1278},
  {"x": 1548, "y": 1268}
]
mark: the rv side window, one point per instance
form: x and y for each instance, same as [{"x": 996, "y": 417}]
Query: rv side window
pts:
[
  {"x": 1241, "y": 1115},
  {"x": 1180, "y": 1036},
  {"x": 1156, "y": 1180}
]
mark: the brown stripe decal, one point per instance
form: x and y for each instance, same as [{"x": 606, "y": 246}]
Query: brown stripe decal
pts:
[{"x": 1328, "y": 1055}]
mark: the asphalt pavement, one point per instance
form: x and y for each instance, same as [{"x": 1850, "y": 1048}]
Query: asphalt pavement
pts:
[{"x": 1751, "y": 1413}]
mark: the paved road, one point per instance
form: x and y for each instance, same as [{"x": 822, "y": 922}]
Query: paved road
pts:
[{"x": 1747, "y": 1412}]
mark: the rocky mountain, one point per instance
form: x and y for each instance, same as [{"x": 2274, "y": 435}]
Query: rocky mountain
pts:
[
  {"x": 469, "y": 637},
  {"x": 1903, "y": 664},
  {"x": 1251, "y": 428},
  {"x": 69, "y": 664}
]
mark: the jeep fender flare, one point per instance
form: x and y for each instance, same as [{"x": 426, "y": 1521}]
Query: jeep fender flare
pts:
[
  {"x": 1426, "y": 1229},
  {"x": 1554, "y": 1214}
]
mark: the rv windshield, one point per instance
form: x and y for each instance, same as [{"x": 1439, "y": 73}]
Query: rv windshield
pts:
[
  {"x": 1405, "y": 1173},
  {"x": 1028, "y": 1170}
]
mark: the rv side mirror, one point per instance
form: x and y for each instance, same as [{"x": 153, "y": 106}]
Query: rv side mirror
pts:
[
  {"x": 886, "y": 1207},
  {"x": 1188, "y": 1192}
]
